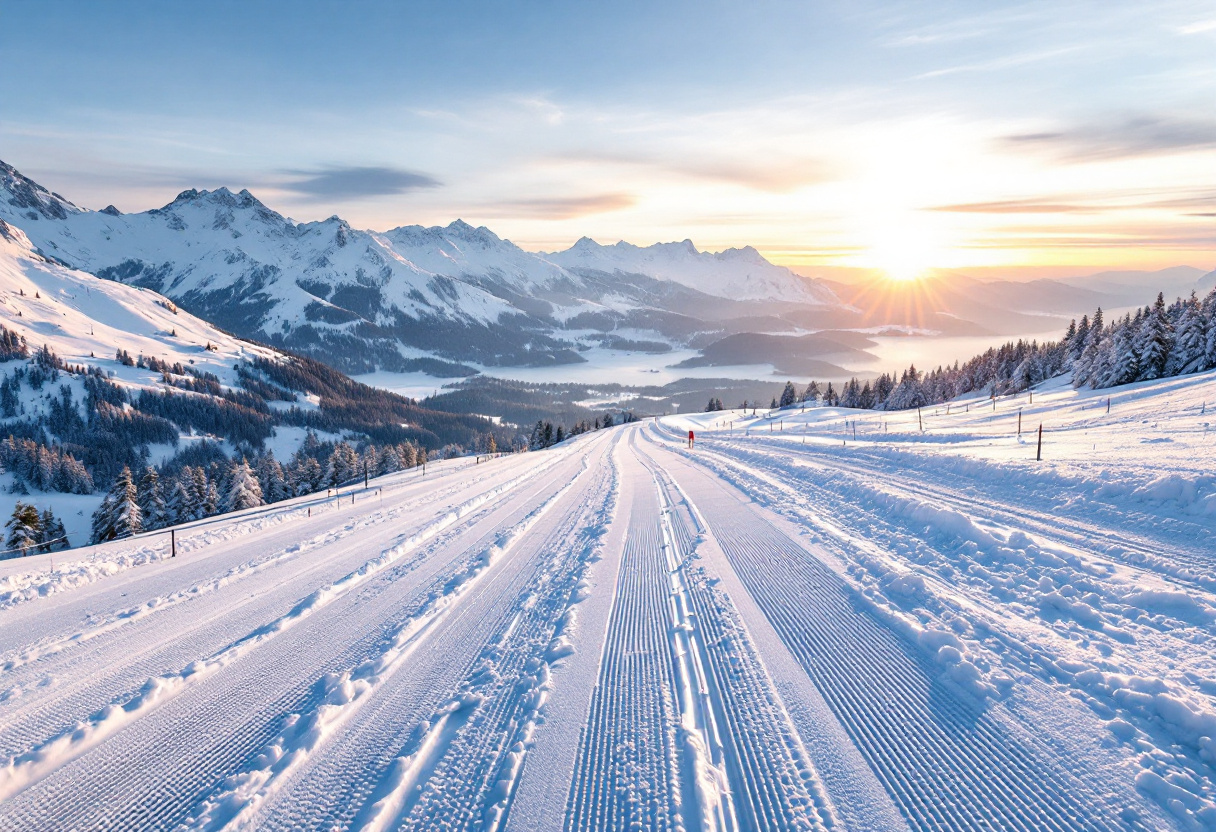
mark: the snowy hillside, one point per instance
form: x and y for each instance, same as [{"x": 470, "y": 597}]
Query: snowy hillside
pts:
[
  {"x": 83, "y": 319},
  {"x": 440, "y": 300},
  {"x": 814, "y": 619},
  {"x": 96, "y": 375}
]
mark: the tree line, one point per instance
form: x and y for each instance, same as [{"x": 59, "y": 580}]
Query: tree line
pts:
[
  {"x": 156, "y": 499},
  {"x": 1157, "y": 341}
]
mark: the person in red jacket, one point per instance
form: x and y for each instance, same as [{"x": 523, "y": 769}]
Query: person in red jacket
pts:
[{"x": 691, "y": 437}]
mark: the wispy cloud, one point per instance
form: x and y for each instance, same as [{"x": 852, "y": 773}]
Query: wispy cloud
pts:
[
  {"x": 341, "y": 183},
  {"x": 1198, "y": 27},
  {"x": 1016, "y": 206},
  {"x": 766, "y": 175},
  {"x": 1136, "y": 136},
  {"x": 562, "y": 208},
  {"x": 1004, "y": 62}
]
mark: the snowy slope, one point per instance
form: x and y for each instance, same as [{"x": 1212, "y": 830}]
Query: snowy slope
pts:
[
  {"x": 787, "y": 627},
  {"x": 85, "y": 320}
]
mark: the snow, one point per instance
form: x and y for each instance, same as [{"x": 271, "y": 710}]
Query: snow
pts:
[
  {"x": 740, "y": 274},
  {"x": 786, "y": 627}
]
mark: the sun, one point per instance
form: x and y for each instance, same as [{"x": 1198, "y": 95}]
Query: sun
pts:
[
  {"x": 904, "y": 245},
  {"x": 903, "y": 251}
]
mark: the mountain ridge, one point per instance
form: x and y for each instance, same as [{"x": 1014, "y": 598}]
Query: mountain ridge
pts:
[{"x": 448, "y": 300}]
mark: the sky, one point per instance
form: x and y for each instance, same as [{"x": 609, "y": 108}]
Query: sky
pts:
[{"x": 1012, "y": 139}]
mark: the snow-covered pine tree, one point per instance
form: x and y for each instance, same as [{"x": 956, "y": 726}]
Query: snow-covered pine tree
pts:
[
  {"x": 1125, "y": 363},
  {"x": 211, "y": 499},
  {"x": 306, "y": 475},
  {"x": 243, "y": 488},
  {"x": 1076, "y": 345},
  {"x": 1154, "y": 340},
  {"x": 118, "y": 515},
  {"x": 199, "y": 490},
  {"x": 24, "y": 528},
  {"x": 789, "y": 395},
  {"x": 52, "y": 536},
  {"x": 829, "y": 396},
  {"x": 1188, "y": 350},
  {"x": 1085, "y": 368},
  {"x": 152, "y": 500},
  {"x": 342, "y": 466},
  {"x": 271, "y": 478},
  {"x": 1209, "y": 316},
  {"x": 811, "y": 393},
  {"x": 390, "y": 461},
  {"x": 180, "y": 506}
]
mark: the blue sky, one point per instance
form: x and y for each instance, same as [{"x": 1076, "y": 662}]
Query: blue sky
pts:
[{"x": 895, "y": 135}]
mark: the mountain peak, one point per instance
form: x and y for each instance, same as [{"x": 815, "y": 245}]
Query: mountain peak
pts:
[{"x": 30, "y": 199}]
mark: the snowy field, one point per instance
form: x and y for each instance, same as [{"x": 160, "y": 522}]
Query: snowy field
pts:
[{"x": 816, "y": 619}]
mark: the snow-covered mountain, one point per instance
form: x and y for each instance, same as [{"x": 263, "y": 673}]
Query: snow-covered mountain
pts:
[
  {"x": 96, "y": 375},
  {"x": 442, "y": 299},
  {"x": 740, "y": 273}
]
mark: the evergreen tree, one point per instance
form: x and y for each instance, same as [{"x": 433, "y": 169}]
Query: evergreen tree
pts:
[
  {"x": 390, "y": 461},
  {"x": 1209, "y": 315},
  {"x": 789, "y": 395},
  {"x": 211, "y": 500},
  {"x": 308, "y": 476},
  {"x": 271, "y": 479},
  {"x": 180, "y": 507},
  {"x": 1125, "y": 363},
  {"x": 118, "y": 515},
  {"x": 811, "y": 393},
  {"x": 52, "y": 535},
  {"x": 1076, "y": 344},
  {"x": 151, "y": 500},
  {"x": 243, "y": 488},
  {"x": 24, "y": 528},
  {"x": 201, "y": 489},
  {"x": 1187, "y": 356},
  {"x": 1154, "y": 340},
  {"x": 343, "y": 465}
]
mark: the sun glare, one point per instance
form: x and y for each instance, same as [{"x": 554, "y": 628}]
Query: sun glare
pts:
[{"x": 902, "y": 252}]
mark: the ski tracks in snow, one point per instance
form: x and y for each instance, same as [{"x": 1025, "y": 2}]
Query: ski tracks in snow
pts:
[{"x": 613, "y": 635}]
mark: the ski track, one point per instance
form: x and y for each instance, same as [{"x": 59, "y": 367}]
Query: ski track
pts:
[{"x": 781, "y": 637}]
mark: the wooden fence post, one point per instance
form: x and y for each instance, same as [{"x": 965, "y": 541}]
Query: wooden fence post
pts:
[
  {"x": 172, "y": 543},
  {"x": 1038, "y": 454}
]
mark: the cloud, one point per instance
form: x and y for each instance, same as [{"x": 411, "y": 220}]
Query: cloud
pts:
[
  {"x": 1138, "y": 136},
  {"x": 563, "y": 208},
  {"x": 357, "y": 182},
  {"x": 1016, "y": 206},
  {"x": 770, "y": 176},
  {"x": 1090, "y": 203}
]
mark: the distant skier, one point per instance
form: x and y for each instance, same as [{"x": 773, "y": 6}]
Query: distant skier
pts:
[{"x": 691, "y": 437}]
